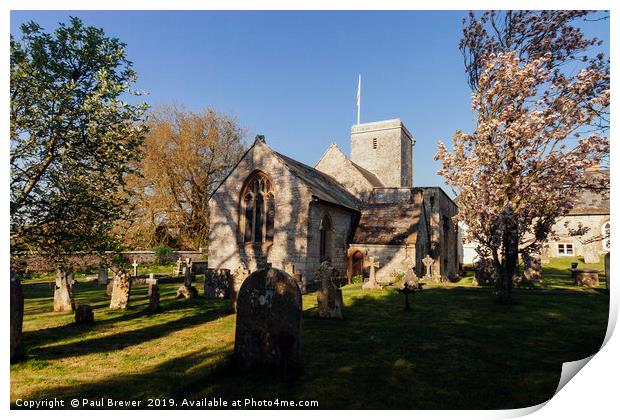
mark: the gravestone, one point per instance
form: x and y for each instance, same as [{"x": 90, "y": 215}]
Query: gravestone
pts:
[
  {"x": 120, "y": 291},
  {"x": 102, "y": 276},
  {"x": 109, "y": 287},
  {"x": 607, "y": 271},
  {"x": 63, "y": 291},
  {"x": 178, "y": 270},
  {"x": 428, "y": 264},
  {"x": 187, "y": 291},
  {"x": 411, "y": 278},
  {"x": 372, "y": 279},
  {"x": 217, "y": 283},
  {"x": 268, "y": 331},
  {"x": 84, "y": 315},
  {"x": 586, "y": 278},
  {"x": 153, "y": 293},
  {"x": 17, "y": 318},
  {"x": 238, "y": 277},
  {"x": 484, "y": 273},
  {"x": 329, "y": 296},
  {"x": 135, "y": 268},
  {"x": 590, "y": 254},
  {"x": 290, "y": 270},
  {"x": 532, "y": 267}
]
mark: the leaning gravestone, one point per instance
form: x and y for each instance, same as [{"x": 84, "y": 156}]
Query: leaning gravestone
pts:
[
  {"x": 268, "y": 329},
  {"x": 63, "y": 292},
  {"x": 84, "y": 315},
  {"x": 238, "y": 277},
  {"x": 607, "y": 271},
  {"x": 17, "y": 317},
  {"x": 120, "y": 291},
  {"x": 217, "y": 283},
  {"x": 329, "y": 296}
]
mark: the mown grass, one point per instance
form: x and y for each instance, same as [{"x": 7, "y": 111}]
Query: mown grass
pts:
[
  {"x": 455, "y": 349},
  {"x": 143, "y": 270}
]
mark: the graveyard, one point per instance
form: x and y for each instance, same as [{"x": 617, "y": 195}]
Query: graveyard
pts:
[{"x": 453, "y": 349}]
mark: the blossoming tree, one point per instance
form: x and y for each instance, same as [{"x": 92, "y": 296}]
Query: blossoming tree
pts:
[{"x": 522, "y": 166}]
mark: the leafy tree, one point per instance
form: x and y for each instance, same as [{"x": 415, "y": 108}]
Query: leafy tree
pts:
[
  {"x": 539, "y": 126},
  {"x": 185, "y": 156},
  {"x": 74, "y": 138}
]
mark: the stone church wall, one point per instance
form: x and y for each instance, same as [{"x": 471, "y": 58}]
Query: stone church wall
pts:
[
  {"x": 291, "y": 216},
  {"x": 391, "y": 258}
]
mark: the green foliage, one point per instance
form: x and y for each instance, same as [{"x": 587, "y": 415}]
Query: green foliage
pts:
[
  {"x": 357, "y": 279},
  {"x": 163, "y": 254},
  {"x": 74, "y": 138}
]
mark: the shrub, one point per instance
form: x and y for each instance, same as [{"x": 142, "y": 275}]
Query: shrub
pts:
[
  {"x": 163, "y": 254},
  {"x": 356, "y": 279}
]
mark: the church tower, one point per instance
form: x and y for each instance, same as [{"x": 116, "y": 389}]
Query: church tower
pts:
[{"x": 384, "y": 148}]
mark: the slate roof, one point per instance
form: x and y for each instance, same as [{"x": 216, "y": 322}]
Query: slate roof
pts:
[
  {"x": 389, "y": 223},
  {"x": 323, "y": 186}
]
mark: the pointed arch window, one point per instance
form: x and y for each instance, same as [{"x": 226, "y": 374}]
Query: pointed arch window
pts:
[
  {"x": 325, "y": 239},
  {"x": 258, "y": 209}
]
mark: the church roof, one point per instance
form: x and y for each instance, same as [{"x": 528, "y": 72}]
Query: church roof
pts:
[
  {"x": 372, "y": 178},
  {"x": 323, "y": 186},
  {"x": 389, "y": 224}
]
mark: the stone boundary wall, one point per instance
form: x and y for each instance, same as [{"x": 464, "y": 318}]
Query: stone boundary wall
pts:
[{"x": 36, "y": 263}]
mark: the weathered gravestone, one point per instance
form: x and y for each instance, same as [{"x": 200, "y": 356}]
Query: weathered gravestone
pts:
[
  {"x": 607, "y": 271},
  {"x": 532, "y": 268},
  {"x": 217, "y": 283},
  {"x": 109, "y": 287},
  {"x": 135, "y": 268},
  {"x": 153, "y": 293},
  {"x": 329, "y": 296},
  {"x": 187, "y": 291},
  {"x": 586, "y": 278},
  {"x": 238, "y": 277},
  {"x": 120, "y": 291},
  {"x": 428, "y": 265},
  {"x": 102, "y": 276},
  {"x": 590, "y": 255},
  {"x": 268, "y": 329},
  {"x": 372, "y": 279},
  {"x": 63, "y": 291},
  {"x": 178, "y": 270},
  {"x": 17, "y": 318},
  {"x": 484, "y": 273},
  {"x": 84, "y": 315},
  {"x": 290, "y": 270}
]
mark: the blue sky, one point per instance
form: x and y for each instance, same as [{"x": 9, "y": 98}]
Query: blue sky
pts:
[{"x": 292, "y": 76}]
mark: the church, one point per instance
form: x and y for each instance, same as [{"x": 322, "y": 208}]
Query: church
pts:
[{"x": 355, "y": 212}]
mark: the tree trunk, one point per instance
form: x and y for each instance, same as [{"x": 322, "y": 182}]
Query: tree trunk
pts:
[
  {"x": 17, "y": 318},
  {"x": 510, "y": 251}
]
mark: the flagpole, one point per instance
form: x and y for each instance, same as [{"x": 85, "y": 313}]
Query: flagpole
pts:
[{"x": 359, "y": 96}]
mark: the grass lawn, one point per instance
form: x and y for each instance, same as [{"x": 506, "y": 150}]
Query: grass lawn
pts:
[
  {"x": 143, "y": 270},
  {"x": 456, "y": 349}
]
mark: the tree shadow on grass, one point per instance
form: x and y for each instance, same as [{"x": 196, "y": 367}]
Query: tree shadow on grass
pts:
[{"x": 456, "y": 349}]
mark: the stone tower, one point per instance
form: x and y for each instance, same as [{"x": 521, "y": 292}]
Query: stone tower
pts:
[{"x": 384, "y": 148}]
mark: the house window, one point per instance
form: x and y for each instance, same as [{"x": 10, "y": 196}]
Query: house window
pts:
[
  {"x": 565, "y": 249},
  {"x": 325, "y": 239},
  {"x": 606, "y": 236},
  {"x": 257, "y": 209}
]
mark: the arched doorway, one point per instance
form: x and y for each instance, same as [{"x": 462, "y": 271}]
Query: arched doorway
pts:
[{"x": 357, "y": 264}]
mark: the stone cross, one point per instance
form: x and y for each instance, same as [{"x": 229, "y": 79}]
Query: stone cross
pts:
[
  {"x": 135, "y": 267},
  {"x": 428, "y": 263},
  {"x": 289, "y": 268},
  {"x": 151, "y": 281},
  {"x": 372, "y": 280}
]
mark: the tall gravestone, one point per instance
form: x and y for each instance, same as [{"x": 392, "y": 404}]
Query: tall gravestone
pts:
[
  {"x": 238, "y": 277},
  {"x": 187, "y": 291},
  {"x": 372, "y": 279},
  {"x": 268, "y": 329},
  {"x": 102, "y": 276},
  {"x": 17, "y": 317},
  {"x": 153, "y": 293},
  {"x": 329, "y": 296},
  {"x": 532, "y": 267},
  {"x": 120, "y": 291},
  {"x": 63, "y": 291},
  {"x": 607, "y": 271}
]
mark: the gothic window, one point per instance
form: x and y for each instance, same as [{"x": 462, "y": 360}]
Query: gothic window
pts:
[
  {"x": 325, "y": 239},
  {"x": 257, "y": 209},
  {"x": 606, "y": 236}
]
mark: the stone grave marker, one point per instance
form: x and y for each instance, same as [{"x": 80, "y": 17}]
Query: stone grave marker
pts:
[
  {"x": 120, "y": 291},
  {"x": 428, "y": 265},
  {"x": 187, "y": 291},
  {"x": 268, "y": 331},
  {"x": 290, "y": 270},
  {"x": 238, "y": 277},
  {"x": 607, "y": 271},
  {"x": 135, "y": 268},
  {"x": 84, "y": 315},
  {"x": 63, "y": 291},
  {"x": 532, "y": 267},
  {"x": 153, "y": 293},
  {"x": 329, "y": 296},
  {"x": 102, "y": 276},
  {"x": 372, "y": 280}
]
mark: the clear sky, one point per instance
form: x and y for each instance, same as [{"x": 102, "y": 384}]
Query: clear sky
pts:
[{"x": 292, "y": 76}]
